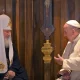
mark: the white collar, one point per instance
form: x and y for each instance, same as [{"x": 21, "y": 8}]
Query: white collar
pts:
[{"x": 77, "y": 38}]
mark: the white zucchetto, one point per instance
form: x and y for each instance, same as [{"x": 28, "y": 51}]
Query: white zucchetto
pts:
[{"x": 73, "y": 23}]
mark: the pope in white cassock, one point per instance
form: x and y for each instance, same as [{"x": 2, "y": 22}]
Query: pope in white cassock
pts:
[
  {"x": 10, "y": 68},
  {"x": 70, "y": 60}
]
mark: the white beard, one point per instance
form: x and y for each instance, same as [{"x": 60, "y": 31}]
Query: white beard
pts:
[{"x": 6, "y": 41}]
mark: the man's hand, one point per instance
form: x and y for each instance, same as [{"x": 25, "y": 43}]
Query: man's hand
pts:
[
  {"x": 59, "y": 59},
  {"x": 10, "y": 74}
]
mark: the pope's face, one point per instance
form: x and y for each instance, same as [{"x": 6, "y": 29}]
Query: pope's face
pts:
[
  {"x": 6, "y": 33},
  {"x": 68, "y": 32}
]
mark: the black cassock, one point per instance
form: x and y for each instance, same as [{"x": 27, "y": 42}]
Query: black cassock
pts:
[{"x": 21, "y": 74}]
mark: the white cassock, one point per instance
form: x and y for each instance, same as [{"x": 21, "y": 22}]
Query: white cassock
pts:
[{"x": 71, "y": 57}]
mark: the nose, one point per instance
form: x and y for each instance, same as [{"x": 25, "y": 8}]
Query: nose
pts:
[{"x": 7, "y": 34}]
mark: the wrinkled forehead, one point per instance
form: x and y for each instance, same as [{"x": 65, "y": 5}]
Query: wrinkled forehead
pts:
[
  {"x": 6, "y": 30},
  {"x": 67, "y": 26}
]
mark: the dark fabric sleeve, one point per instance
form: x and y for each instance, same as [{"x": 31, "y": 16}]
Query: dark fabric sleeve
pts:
[
  {"x": 17, "y": 68},
  {"x": 16, "y": 63}
]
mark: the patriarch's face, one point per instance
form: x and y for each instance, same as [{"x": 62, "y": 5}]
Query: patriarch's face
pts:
[{"x": 7, "y": 33}]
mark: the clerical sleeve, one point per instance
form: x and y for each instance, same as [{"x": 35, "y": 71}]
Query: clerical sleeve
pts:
[
  {"x": 17, "y": 68},
  {"x": 16, "y": 63},
  {"x": 73, "y": 62}
]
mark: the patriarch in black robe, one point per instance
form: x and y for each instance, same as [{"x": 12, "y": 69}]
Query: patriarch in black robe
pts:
[{"x": 10, "y": 67}]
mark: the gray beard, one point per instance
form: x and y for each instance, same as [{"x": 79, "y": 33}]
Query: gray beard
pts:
[{"x": 6, "y": 41}]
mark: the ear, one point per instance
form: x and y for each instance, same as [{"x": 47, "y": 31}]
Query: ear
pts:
[{"x": 73, "y": 30}]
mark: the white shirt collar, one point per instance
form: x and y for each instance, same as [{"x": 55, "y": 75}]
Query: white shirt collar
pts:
[{"x": 77, "y": 38}]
